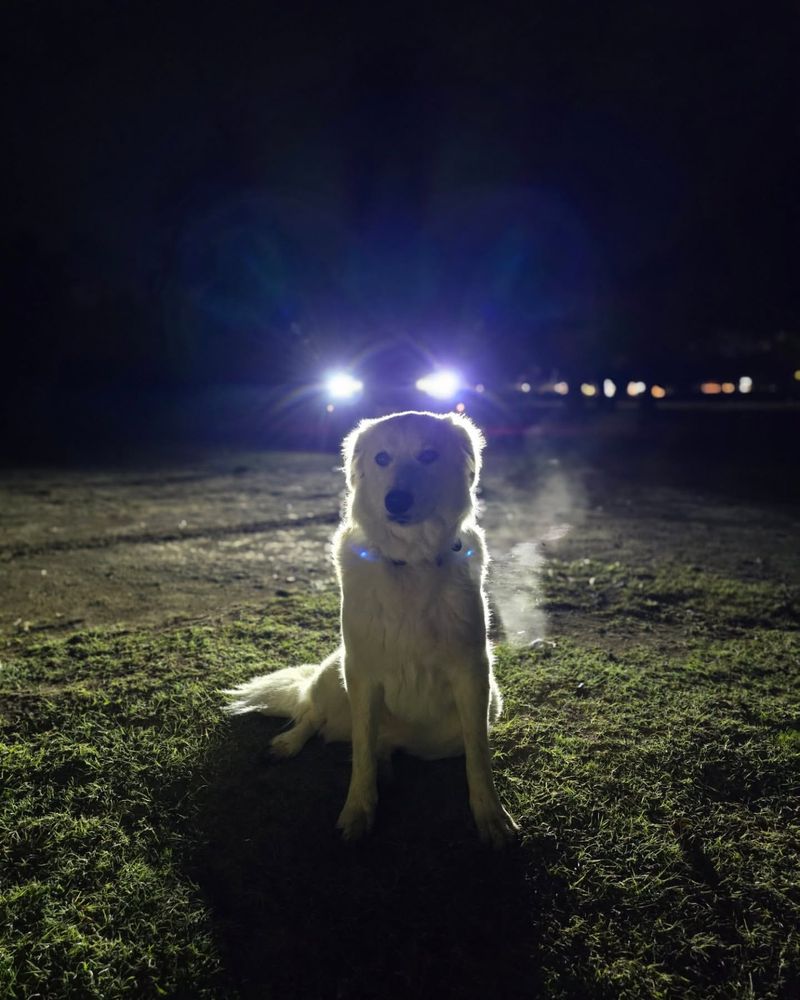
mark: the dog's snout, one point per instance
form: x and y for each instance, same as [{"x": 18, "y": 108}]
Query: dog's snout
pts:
[{"x": 398, "y": 501}]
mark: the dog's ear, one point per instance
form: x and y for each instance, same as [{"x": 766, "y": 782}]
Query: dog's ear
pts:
[
  {"x": 351, "y": 455},
  {"x": 471, "y": 441}
]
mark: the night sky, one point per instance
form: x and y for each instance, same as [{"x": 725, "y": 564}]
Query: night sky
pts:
[{"x": 243, "y": 191}]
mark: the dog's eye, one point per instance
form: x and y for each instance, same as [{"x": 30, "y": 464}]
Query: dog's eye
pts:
[
  {"x": 427, "y": 456},
  {"x": 383, "y": 458}
]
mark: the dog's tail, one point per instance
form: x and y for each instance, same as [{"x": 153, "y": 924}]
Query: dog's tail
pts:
[
  {"x": 284, "y": 693},
  {"x": 288, "y": 692}
]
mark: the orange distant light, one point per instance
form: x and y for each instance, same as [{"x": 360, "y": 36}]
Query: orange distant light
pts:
[
  {"x": 658, "y": 392},
  {"x": 728, "y": 387},
  {"x": 710, "y": 388}
]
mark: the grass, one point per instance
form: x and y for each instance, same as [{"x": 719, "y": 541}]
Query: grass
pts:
[
  {"x": 150, "y": 848},
  {"x": 699, "y": 601}
]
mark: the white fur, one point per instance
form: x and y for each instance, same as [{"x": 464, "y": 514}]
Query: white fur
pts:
[{"x": 414, "y": 670}]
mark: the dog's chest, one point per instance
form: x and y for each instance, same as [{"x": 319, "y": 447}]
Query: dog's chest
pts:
[
  {"x": 409, "y": 628},
  {"x": 407, "y": 614}
]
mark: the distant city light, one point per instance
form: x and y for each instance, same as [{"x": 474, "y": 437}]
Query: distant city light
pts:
[
  {"x": 658, "y": 391},
  {"x": 636, "y": 388},
  {"x": 562, "y": 388},
  {"x": 341, "y": 385},
  {"x": 524, "y": 387},
  {"x": 797, "y": 375},
  {"x": 460, "y": 407},
  {"x": 588, "y": 389},
  {"x": 710, "y": 388},
  {"x": 440, "y": 385},
  {"x": 609, "y": 388},
  {"x": 745, "y": 384},
  {"x": 728, "y": 387},
  {"x": 480, "y": 387}
]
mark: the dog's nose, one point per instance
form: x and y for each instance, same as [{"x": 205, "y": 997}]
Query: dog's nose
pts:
[{"x": 398, "y": 501}]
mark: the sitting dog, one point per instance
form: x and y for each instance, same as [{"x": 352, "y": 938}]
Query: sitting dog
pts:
[{"x": 414, "y": 668}]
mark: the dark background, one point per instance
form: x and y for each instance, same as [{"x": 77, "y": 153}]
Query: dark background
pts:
[{"x": 212, "y": 193}]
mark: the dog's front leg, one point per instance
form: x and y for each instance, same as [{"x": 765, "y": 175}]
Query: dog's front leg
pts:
[
  {"x": 471, "y": 690},
  {"x": 366, "y": 699}
]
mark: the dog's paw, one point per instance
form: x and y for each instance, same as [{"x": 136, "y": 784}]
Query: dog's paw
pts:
[
  {"x": 355, "y": 821},
  {"x": 496, "y": 826},
  {"x": 287, "y": 744}
]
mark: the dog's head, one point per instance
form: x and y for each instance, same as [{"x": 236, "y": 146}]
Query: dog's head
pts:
[{"x": 412, "y": 468}]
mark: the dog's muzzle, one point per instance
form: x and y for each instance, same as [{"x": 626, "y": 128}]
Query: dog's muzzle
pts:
[{"x": 398, "y": 502}]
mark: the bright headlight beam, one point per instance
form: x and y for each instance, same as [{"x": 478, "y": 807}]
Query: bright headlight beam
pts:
[
  {"x": 440, "y": 385},
  {"x": 342, "y": 385}
]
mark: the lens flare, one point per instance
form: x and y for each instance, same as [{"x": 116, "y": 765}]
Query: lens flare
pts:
[
  {"x": 440, "y": 385},
  {"x": 342, "y": 385}
]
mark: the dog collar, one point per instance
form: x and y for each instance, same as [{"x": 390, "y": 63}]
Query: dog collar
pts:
[{"x": 370, "y": 555}]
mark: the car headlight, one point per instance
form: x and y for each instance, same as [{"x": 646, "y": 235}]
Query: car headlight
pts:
[
  {"x": 342, "y": 385},
  {"x": 440, "y": 385}
]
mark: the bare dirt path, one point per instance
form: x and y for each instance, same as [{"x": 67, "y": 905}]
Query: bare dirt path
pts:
[{"x": 154, "y": 544}]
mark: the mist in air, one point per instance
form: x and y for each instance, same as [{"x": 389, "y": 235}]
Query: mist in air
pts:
[{"x": 536, "y": 505}]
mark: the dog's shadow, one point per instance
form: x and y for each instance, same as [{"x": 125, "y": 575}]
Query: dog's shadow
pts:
[{"x": 418, "y": 909}]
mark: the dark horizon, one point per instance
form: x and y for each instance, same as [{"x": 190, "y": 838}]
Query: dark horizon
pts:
[{"x": 200, "y": 193}]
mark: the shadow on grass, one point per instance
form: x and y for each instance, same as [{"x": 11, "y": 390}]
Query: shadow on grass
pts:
[{"x": 420, "y": 908}]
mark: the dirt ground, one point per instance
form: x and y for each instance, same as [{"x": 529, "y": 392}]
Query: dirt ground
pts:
[{"x": 151, "y": 543}]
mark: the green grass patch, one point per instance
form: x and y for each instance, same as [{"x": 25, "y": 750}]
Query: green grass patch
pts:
[
  {"x": 150, "y": 847},
  {"x": 697, "y": 600},
  {"x": 663, "y": 793},
  {"x": 105, "y": 739}
]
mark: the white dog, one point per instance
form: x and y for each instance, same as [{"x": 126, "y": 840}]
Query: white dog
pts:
[{"x": 414, "y": 670}]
